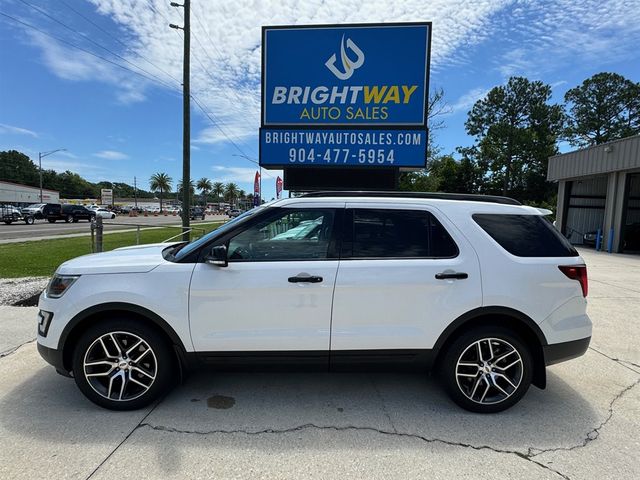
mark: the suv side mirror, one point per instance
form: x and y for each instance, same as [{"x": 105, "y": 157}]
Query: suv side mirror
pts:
[{"x": 218, "y": 256}]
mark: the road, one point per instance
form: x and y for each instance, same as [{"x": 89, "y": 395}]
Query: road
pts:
[
  {"x": 42, "y": 228},
  {"x": 348, "y": 426}
]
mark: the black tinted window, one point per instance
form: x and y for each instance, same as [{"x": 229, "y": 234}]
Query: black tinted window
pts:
[
  {"x": 525, "y": 235},
  {"x": 287, "y": 234},
  {"x": 397, "y": 234}
]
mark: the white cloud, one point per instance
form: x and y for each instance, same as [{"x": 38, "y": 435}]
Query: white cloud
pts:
[
  {"x": 111, "y": 155},
  {"x": 223, "y": 173},
  {"x": 13, "y": 130},
  {"x": 548, "y": 35},
  {"x": 467, "y": 100}
]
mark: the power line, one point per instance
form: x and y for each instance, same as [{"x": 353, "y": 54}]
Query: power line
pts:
[
  {"x": 71, "y": 29},
  {"x": 152, "y": 78},
  {"x": 217, "y": 125},
  {"x": 114, "y": 37}
]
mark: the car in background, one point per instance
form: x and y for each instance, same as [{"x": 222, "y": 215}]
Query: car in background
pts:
[
  {"x": 234, "y": 212},
  {"x": 70, "y": 213},
  {"x": 196, "y": 213},
  {"x": 40, "y": 210},
  {"x": 104, "y": 213}
]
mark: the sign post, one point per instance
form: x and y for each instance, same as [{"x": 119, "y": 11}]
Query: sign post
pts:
[{"x": 345, "y": 96}]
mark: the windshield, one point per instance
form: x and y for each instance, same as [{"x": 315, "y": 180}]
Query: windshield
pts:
[{"x": 191, "y": 247}]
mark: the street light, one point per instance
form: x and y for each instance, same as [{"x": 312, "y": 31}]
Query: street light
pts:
[
  {"x": 257, "y": 163},
  {"x": 41, "y": 155}
]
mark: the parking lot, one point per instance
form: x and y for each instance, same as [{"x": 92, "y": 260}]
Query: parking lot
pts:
[
  {"x": 368, "y": 425},
  {"x": 43, "y": 229}
]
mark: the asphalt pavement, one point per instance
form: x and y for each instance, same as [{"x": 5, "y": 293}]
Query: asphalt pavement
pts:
[
  {"x": 585, "y": 425},
  {"x": 41, "y": 229}
]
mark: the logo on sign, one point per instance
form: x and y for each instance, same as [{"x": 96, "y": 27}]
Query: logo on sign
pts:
[{"x": 348, "y": 66}]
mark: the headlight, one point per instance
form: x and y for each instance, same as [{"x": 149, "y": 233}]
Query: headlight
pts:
[{"x": 60, "y": 284}]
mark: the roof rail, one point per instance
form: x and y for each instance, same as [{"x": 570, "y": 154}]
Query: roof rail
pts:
[{"x": 433, "y": 195}]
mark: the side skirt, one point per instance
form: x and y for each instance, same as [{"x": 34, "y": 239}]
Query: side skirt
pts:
[{"x": 338, "y": 361}]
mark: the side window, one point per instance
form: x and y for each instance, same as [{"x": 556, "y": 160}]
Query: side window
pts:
[
  {"x": 379, "y": 233},
  {"x": 288, "y": 234},
  {"x": 525, "y": 235}
]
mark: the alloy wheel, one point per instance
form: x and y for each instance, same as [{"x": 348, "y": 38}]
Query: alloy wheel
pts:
[
  {"x": 120, "y": 366},
  {"x": 489, "y": 371}
]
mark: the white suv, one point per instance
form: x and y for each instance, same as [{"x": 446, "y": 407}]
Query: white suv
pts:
[{"x": 481, "y": 290}]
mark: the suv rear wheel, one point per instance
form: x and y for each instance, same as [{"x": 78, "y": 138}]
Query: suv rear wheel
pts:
[
  {"x": 487, "y": 369},
  {"x": 68, "y": 218},
  {"x": 121, "y": 364}
]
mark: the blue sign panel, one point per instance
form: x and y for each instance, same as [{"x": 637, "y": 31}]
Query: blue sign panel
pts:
[
  {"x": 363, "y": 75},
  {"x": 342, "y": 147}
]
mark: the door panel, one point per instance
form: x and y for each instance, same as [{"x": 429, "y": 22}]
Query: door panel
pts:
[
  {"x": 397, "y": 303},
  {"x": 252, "y": 306},
  {"x": 276, "y": 292}
]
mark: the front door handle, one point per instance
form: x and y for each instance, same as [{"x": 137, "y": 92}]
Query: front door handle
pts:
[
  {"x": 305, "y": 278},
  {"x": 451, "y": 276}
]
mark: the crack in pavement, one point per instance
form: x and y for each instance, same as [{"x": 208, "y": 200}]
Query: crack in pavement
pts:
[
  {"x": 594, "y": 433},
  {"x": 621, "y": 362},
  {"x": 308, "y": 426},
  {"x": 11, "y": 351}
]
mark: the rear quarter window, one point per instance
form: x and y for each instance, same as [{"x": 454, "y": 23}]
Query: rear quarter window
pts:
[{"x": 525, "y": 235}]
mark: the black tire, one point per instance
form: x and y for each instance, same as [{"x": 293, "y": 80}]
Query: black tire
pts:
[
  {"x": 8, "y": 222},
  {"x": 165, "y": 372},
  {"x": 461, "y": 388},
  {"x": 29, "y": 220},
  {"x": 68, "y": 218},
  {"x": 75, "y": 219},
  {"x": 51, "y": 220}
]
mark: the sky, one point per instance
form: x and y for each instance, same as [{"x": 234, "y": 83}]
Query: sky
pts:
[{"x": 67, "y": 72}]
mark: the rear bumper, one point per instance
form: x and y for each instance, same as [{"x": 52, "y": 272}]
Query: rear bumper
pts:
[
  {"x": 561, "y": 352},
  {"x": 53, "y": 357}
]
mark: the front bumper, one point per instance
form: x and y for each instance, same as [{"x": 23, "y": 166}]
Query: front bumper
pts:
[
  {"x": 561, "y": 352},
  {"x": 53, "y": 357}
]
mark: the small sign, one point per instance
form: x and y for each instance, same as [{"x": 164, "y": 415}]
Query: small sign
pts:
[{"x": 106, "y": 196}]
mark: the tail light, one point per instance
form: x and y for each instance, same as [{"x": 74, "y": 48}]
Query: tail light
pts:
[{"x": 579, "y": 273}]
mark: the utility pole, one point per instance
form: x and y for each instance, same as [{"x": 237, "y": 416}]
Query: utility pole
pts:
[
  {"x": 186, "y": 118},
  {"x": 135, "y": 192},
  {"x": 41, "y": 155}
]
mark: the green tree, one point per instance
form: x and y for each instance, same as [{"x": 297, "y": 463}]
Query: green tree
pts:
[
  {"x": 218, "y": 190},
  {"x": 160, "y": 182},
  {"x": 231, "y": 192},
  {"x": 205, "y": 186},
  {"x": 422, "y": 180},
  {"x": 604, "y": 107},
  {"x": 516, "y": 130},
  {"x": 192, "y": 190}
]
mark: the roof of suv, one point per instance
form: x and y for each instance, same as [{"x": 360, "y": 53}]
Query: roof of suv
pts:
[{"x": 421, "y": 195}]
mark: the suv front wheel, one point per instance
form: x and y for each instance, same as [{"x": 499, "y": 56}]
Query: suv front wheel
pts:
[
  {"x": 487, "y": 369},
  {"x": 123, "y": 364}
]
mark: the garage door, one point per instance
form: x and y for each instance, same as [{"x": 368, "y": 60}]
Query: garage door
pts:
[{"x": 585, "y": 211}]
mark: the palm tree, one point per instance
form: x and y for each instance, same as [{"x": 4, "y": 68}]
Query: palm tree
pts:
[
  {"x": 231, "y": 191},
  {"x": 204, "y": 185},
  {"x": 218, "y": 190},
  {"x": 192, "y": 190},
  {"x": 242, "y": 197},
  {"x": 160, "y": 182}
]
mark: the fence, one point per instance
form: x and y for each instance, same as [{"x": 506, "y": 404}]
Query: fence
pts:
[{"x": 136, "y": 234}]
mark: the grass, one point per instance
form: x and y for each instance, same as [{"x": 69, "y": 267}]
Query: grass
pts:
[{"x": 41, "y": 258}]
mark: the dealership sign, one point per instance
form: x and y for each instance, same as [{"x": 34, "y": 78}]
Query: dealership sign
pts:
[{"x": 360, "y": 89}]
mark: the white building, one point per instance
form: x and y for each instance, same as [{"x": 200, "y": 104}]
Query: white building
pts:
[{"x": 19, "y": 195}]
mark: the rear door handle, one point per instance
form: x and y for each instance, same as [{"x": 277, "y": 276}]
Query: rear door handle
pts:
[
  {"x": 451, "y": 276},
  {"x": 305, "y": 278}
]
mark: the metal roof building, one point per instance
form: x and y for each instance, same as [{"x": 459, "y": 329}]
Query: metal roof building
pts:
[
  {"x": 599, "y": 189},
  {"x": 17, "y": 194}
]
